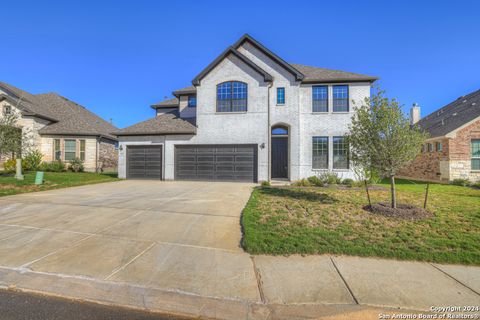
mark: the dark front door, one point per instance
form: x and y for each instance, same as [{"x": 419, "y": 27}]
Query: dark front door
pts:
[{"x": 279, "y": 157}]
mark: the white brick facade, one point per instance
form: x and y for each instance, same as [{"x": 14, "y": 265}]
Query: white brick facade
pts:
[{"x": 253, "y": 126}]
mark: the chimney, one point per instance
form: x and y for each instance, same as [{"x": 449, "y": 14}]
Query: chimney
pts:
[{"x": 414, "y": 114}]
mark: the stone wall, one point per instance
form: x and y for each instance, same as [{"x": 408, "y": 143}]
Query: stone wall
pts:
[
  {"x": 460, "y": 153},
  {"x": 108, "y": 155}
]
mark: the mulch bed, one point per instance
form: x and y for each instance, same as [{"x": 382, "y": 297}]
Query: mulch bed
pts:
[{"x": 403, "y": 211}]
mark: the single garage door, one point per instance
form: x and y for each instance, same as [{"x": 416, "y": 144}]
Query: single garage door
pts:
[
  {"x": 144, "y": 162},
  {"x": 216, "y": 162}
]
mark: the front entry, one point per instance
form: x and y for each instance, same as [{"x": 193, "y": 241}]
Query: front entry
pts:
[{"x": 279, "y": 153}]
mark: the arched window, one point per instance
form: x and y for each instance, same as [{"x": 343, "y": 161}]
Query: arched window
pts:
[
  {"x": 279, "y": 131},
  {"x": 232, "y": 96}
]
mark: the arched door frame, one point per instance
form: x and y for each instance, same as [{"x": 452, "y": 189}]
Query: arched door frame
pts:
[{"x": 280, "y": 145}]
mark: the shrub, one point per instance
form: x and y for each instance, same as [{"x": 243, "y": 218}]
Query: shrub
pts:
[
  {"x": 10, "y": 165},
  {"x": 348, "y": 182},
  {"x": 314, "y": 180},
  {"x": 76, "y": 165},
  {"x": 302, "y": 183},
  {"x": 265, "y": 184},
  {"x": 461, "y": 182},
  {"x": 32, "y": 160},
  {"x": 54, "y": 166},
  {"x": 476, "y": 185},
  {"x": 329, "y": 178}
]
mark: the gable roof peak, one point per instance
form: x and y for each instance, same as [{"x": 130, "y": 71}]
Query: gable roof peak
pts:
[
  {"x": 231, "y": 50},
  {"x": 246, "y": 37}
]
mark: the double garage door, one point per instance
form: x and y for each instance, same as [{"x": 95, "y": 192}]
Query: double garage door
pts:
[
  {"x": 195, "y": 162},
  {"x": 216, "y": 162}
]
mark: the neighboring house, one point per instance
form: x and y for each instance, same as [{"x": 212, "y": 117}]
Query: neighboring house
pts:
[
  {"x": 249, "y": 116},
  {"x": 453, "y": 149},
  {"x": 61, "y": 129}
]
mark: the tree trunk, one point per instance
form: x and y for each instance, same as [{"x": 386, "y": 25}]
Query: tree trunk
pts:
[
  {"x": 392, "y": 188},
  {"x": 426, "y": 196},
  {"x": 368, "y": 193}
]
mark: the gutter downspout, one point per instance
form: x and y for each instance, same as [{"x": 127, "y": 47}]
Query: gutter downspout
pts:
[{"x": 269, "y": 133}]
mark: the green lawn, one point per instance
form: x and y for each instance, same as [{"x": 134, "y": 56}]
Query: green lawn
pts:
[
  {"x": 309, "y": 220},
  {"x": 53, "y": 180}
]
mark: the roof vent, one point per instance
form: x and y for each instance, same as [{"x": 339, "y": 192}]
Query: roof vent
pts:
[
  {"x": 443, "y": 122},
  {"x": 474, "y": 103},
  {"x": 464, "y": 101},
  {"x": 454, "y": 114}
]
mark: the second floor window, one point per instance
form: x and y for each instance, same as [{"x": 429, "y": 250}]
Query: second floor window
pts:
[
  {"x": 340, "y": 98},
  {"x": 280, "y": 95},
  {"x": 232, "y": 97},
  {"x": 192, "y": 101},
  {"x": 320, "y": 99}
]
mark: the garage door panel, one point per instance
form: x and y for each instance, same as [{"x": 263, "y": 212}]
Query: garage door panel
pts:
[
  {"x": 215, "y": 162},
  {"x": 144, "y": 162}
]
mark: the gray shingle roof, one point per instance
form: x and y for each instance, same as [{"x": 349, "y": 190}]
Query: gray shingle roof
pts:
[
  {"x": 74, "y": 118},
  {"x": 186, "y": 90},
  {"x": 316, "y": 74},
  {"x": 168, "y": 123},
  {"x": 453, "y": 115},
  {"x": 168, "y": 103},
  {"x": 68, "y": 117}
]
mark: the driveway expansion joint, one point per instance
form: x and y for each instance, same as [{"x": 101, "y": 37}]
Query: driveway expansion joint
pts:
[
  {"x": 344, "y": 281},
  {"x": 455, "y": 279},
  {"x": 258, "y": 277}
]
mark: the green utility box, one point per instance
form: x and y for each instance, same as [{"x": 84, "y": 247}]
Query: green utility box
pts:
[{"x": 39, "y": 177}]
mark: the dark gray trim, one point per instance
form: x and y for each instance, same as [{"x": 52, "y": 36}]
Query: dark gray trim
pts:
[
  {"x": 153, "y": 133},
  {"x": 231, "y": 50},
  {"x": 79, "y": 134},
  {"x": 246, "y": 37},
  {"x": 179, "y": 93},
  {"x": 346, "y": 81}
]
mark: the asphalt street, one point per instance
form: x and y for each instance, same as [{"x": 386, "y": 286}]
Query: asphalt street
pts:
[{"x": 16, "y": 305}]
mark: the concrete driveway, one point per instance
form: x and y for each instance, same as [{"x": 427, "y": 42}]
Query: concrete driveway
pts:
[{"x": 172, "y": 235}]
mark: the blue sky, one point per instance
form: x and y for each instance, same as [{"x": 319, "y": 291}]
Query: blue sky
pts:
[{"x": 118, "y": 57}]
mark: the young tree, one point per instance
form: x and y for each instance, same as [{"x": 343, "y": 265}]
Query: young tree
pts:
[
  {"x": 381, "y": 138},
  {"x": 10, "y": 136},
  {"x": 13, "y": 140}
]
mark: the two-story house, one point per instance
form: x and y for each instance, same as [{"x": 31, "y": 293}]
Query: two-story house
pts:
[{"x": 249, "y": 116}]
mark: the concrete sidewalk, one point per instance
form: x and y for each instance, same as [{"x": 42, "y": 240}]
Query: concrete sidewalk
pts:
[{"x": 174, "y": 247}]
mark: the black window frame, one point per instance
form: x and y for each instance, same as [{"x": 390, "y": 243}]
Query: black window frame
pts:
[
  {"x": 231, "y": 99},
  {"x": 347, "y": 99},
  {"x": 326, "y": 100},
  {"x": 284, "y": 96},
  {"x": 327, "y": 154},
  {"x": 5, "y": 108},
  {"x": 189, "y": 105},
  {"x": 347, "y": 149}
]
